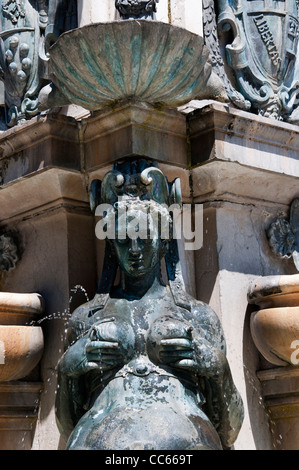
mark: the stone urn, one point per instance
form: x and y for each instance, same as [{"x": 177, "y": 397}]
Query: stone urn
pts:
[
  {"x": 275, "y": 327},
  {"x": 21, "y": 339}
]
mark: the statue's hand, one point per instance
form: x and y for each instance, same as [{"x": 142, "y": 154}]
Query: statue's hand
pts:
[
  {"x": 178, "y": 352},
  {"x": 175, "y": 343},
  {"x": 108, "y": 344},
  {"x": 170, "y": 343},
  {"x": 102, "y": 349},
  {"x": 74, "y": 362}
]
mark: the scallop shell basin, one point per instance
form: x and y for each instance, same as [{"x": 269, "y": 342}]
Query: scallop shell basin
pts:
[{"x": 155, "y": 62}]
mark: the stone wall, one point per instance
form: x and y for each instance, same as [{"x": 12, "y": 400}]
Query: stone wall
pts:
[{"x": 243, "y": 169}]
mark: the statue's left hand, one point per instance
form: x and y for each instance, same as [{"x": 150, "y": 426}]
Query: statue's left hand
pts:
[
  {"x": 177, "y": 344},
  {"x": 171, "y": 343}
]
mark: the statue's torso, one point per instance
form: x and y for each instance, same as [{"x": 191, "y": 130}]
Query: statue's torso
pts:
[
  {"x": 143, "y": 404},
  {"x": 150, "y": 411}
]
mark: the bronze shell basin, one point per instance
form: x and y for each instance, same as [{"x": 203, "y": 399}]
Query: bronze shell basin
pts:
[
  {"x": 154, "y": 62},
  {"x": 21, "y": 343}
]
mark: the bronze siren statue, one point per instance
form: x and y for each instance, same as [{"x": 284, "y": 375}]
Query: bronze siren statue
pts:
[{"x": 146, "y": 366}]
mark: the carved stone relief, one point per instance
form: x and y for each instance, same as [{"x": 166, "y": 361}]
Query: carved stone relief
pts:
[
  {"x": 8, "y": 253},
  {"x": 136, "y": 8},
  {"x": 283, "y": 235},
  {"x": 27, "y": 30},
  {"x": 258, "y": 44}
]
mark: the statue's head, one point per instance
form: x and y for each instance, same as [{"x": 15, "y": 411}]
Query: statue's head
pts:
[
  {"x": 138, "y": 206},
  {"x": 143, "y": 229}
]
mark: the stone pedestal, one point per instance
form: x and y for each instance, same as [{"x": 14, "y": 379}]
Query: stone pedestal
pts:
[
  {"x": 19, "y": 405},
  {"x": 280, "y": 389},
  {"x": 21, "y": 348}
]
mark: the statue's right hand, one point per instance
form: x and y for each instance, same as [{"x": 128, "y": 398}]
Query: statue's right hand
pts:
[
  {"x": 74, "y": 362},
  {"x": 108, "y": 344},
  {"x": 102, "y": 353},
  {"x": 90, "y": 354}
]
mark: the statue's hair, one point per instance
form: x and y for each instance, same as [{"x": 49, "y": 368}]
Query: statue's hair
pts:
[{"x": 157, "y": 214}]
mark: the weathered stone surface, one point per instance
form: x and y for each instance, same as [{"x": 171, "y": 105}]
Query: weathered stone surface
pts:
[
  {"x": 186, "y": 14},
  {"x": 134, "y": 128},
  {"x": 218, "y": 132},
  {"x": 21, "y": 349},
  {"x": 20, "y": 309},
  {"x": 21, "y": 342},
  {"x": 39, "y": 143}
]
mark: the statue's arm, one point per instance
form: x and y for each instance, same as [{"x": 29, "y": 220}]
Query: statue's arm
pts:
[
  {"x": 224, "y": 405},
  {"x": 70, "y": 391},
  {"x": 67, "y": 408},
  {"x": 91, "y": 352},
  {"x": 196, "y": 344}
]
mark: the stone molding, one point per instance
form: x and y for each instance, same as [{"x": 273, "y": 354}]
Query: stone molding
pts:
[
  {"x": 280, "y": 391},
  {"x": 135, "y": 128},
  {"x": 235, "y": 155},
  {"x": 218, "y": 132},
  {"x": 45, "y": 190},
  {"x": 128, "y": 129},
  {"x": 19, "y": 403}
]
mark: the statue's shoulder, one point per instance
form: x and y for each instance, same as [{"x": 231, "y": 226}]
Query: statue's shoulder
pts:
[{"x": 84, "y": 316}]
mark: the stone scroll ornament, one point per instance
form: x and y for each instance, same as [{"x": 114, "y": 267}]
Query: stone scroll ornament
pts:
[
  {"x": 146, "y": 364},
  {"x": 136, "y": 8},
  {"x": 260, "y": 40},
  {"x": 283, "y": 235},
  {"x": 28, "y": 28}
]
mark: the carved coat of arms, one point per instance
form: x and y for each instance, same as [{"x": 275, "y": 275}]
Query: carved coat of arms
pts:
[{"x": 262, "y": 52}]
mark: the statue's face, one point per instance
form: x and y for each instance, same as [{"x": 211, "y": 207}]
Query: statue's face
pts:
[
  {"x": 137, "y": 257},
  {"x": 141, "y": 250}
]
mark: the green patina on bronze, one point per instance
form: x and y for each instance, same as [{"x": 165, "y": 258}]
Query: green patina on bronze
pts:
[
  {"x": 154, "y": 62},
  {"x": 146, "y": 367}
]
